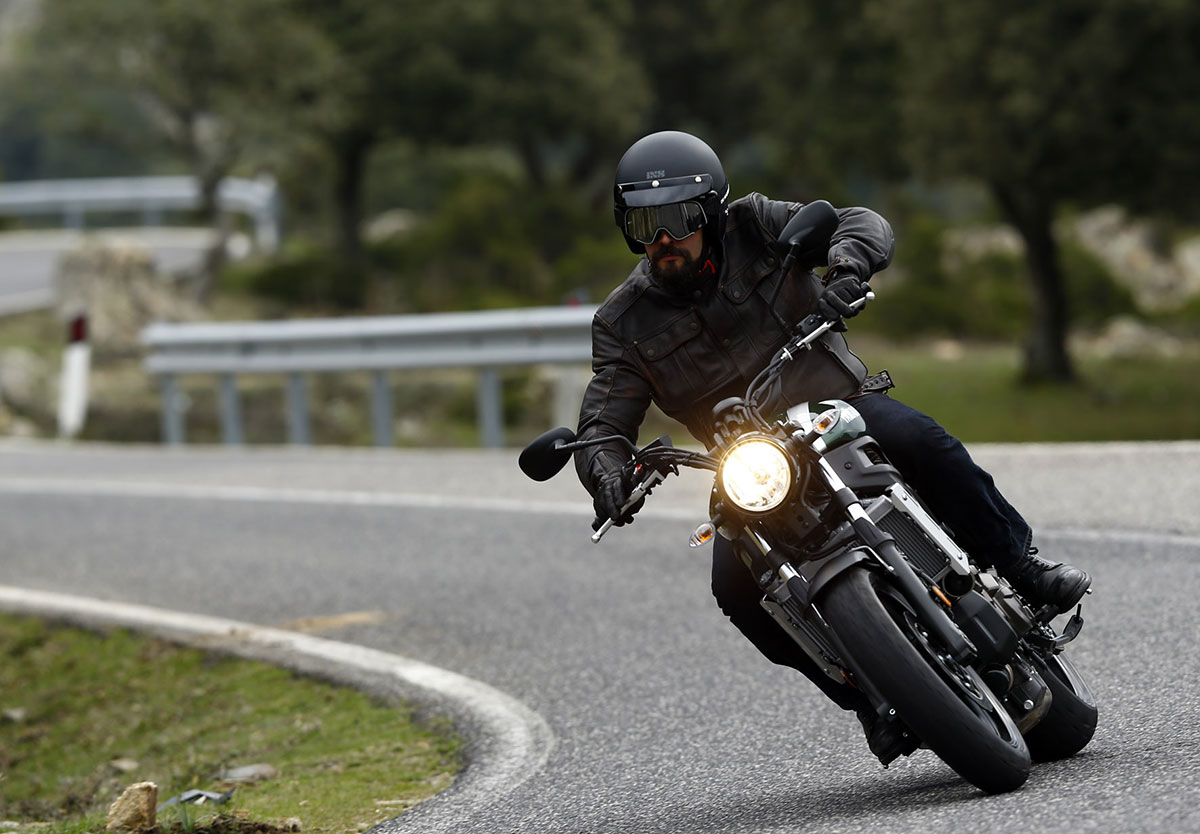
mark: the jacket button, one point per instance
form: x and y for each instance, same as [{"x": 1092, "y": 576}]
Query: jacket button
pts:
[
  {"x": 737, "y": 293},
  {"x": 650, "y": 352},
  {"x": 695, "y": 326},
  {"x": 725, "y": 342}
]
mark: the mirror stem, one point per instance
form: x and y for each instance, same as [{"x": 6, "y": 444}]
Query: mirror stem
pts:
[
  {"x": 596, "y": 441},
  {"x": 784, "y": 269}
]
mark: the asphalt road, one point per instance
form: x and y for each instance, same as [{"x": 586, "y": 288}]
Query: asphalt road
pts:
[
  {"x": 664, "y": 719},
  {"x": 29, "y": 260}
]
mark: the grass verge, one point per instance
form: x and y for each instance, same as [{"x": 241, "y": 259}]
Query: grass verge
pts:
[
  {"x": 973, "y": 391},
  {"x": 86, "y": 714}
]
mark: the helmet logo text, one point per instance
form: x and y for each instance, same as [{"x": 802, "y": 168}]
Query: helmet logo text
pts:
[{"x": 653, "y": 175}]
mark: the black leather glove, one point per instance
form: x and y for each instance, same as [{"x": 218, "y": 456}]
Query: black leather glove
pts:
[
  {"x": 842, "y": 289},
  {"x": 611, "y": 494}
]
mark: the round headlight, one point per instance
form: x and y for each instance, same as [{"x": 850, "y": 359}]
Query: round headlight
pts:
[{"x": 756, "y": 475}]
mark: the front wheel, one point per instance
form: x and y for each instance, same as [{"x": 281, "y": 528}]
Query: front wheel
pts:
[
  {"x": 945, "y": 703},
  {"x": 1071, "y": 721}
]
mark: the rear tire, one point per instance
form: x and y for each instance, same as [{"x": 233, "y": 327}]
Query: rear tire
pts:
[
  {"x": 946, "y": 704},
  {"x": 1071, "y": 721}
]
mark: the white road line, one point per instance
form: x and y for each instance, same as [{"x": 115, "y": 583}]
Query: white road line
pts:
[
  {"x": 287, "y": 495},
  {"x": 365, "y": 498},
  {"x": 515, "y": 743}
]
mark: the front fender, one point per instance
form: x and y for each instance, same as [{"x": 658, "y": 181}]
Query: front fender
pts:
[{"x": 820, "y": 573}]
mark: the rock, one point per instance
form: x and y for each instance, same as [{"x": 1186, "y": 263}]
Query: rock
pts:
[
  {"x": 1161, "y": 277},
  {"x": 123, "y": 765},
  {"x": 114, "y": 282},
  {"x": 1125, "y": 337},
  {"x": 16, "y": 715},
  {"x": 24, "y": 380},
  {"x": 249, "y": 774},
  {"x": 390, "y": 225},
  {"x": 134, "y": 809},
  {"x": 290, "y": 824}
]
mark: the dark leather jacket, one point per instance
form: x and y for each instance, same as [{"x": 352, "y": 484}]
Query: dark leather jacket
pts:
[{"x": 686, "y": 353}]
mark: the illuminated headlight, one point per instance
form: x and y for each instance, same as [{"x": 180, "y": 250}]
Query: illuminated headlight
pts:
[{"x": 756, "y": 475}]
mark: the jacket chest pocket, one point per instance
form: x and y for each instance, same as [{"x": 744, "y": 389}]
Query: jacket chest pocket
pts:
[{"x": 684, "y": 362}]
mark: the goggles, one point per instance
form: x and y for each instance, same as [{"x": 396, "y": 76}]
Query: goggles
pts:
[{"x": 679, "y": 220}]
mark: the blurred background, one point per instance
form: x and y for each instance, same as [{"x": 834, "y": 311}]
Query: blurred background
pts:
[{"x": 1039, "y": 162}]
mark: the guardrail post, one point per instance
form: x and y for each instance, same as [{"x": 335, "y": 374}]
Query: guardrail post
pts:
[
  {"x": 172, "y": 411},
  {"x": 488, "y": 407},
  {"x": 381, "y": 409},
  {"x": 231, "y": 411},
  {"x": 570, "y": 382},
  {"x": 297, "y": 396}
]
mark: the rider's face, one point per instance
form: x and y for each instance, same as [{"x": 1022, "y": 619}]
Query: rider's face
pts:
[{"x": 671, "y": 257}]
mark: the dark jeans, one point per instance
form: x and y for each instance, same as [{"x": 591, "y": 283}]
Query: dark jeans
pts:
[{"x": 935, "y": 465}]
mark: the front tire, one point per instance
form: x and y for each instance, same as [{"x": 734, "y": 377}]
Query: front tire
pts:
[
  {"x": 946, "y": 704},
  {"x": 1071, "y": 721}
]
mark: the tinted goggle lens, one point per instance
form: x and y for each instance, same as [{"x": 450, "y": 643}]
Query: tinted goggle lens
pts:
[{"x": 679, "y": 220}]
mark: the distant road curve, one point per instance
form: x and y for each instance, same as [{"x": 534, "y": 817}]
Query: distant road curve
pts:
[{"x": 29, "y": 259}]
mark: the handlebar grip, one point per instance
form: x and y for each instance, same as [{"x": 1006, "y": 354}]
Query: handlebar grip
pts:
[{"x": 598, "y": 522}]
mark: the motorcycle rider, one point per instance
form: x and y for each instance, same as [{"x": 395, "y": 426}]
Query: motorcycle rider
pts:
[{"x": 704, "y": 311}]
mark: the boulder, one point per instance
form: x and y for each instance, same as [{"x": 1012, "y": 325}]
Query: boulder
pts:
[
  {"x": 115, "y": 283},
  {"x": 134, "y": 809}
]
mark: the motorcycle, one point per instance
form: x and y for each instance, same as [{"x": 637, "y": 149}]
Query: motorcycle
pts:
[{"x": 859, "y": 573}]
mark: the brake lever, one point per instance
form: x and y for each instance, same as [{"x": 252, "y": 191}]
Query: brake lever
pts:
[{"x": 820, "y": 326}]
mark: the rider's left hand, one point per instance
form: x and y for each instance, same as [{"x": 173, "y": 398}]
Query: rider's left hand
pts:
[{"x": 841, "y": 291}]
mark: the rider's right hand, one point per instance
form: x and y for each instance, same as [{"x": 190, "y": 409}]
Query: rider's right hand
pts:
[{"x": 612, "y": 492}]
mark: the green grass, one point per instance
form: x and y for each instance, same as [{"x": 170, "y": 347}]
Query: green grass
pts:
[
  {"x": 975, "y": 393},
  {"x": 344, "y": 761}
]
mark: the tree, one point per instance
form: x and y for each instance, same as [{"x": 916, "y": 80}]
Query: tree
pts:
[
  {"x": 207, "y": 77},
  {"x": 1075, "y": 102},
  {"x": 550, "y": 79},
  {"x": 544, "y": 77}
]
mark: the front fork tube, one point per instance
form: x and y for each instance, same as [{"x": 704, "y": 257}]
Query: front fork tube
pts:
[{"x": 913, "y": 589}]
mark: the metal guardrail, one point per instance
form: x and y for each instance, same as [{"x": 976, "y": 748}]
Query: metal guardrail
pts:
[
  {"x": 149, "y": 196},
  {"x": 487, "y": 341}
]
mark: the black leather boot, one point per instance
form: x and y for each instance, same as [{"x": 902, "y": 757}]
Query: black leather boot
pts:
[
  {"x": 1048, "y": 583},
  {"x": 888, "y": 740}
]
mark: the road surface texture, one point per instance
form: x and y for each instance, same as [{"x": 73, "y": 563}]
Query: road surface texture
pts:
[{"x": 663, "y": 718}]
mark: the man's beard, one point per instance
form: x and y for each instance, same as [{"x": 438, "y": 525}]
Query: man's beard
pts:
[{"x": 677, "y": 279}]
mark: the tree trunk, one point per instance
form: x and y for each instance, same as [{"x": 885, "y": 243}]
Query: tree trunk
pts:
[
  {"x": 351, "y": 151},
  {"x": 531, "y": 158},
  {"x": 1046, "y": 358},
  {"x": 214, "y": 256},
  {"x": 210, "y": 162}
]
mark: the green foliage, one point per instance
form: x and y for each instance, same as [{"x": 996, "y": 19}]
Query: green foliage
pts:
[
  {"x": 302, "y": 275},
  {"x": 357, "y": 106},
  {"x": 981, "y": 296},
  {"x": 492, "y": 241},
  {"x": 1093, "y": 294}
]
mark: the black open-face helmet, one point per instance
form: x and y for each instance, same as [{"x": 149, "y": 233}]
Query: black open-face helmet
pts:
[{"x": 673, "y": 181}]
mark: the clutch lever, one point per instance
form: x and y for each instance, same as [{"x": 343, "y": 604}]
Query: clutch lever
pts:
[{"x": 639, "y": 492}]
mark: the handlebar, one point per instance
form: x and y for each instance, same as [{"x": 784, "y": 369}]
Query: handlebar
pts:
[
  {"x": 662, "y": 460},
  {"x": 811, "y": 328}
]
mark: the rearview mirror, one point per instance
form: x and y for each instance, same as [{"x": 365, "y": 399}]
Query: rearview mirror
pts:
[
  {"x": 542, "y": 459},
  {"x": 808, "y": 233}
]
